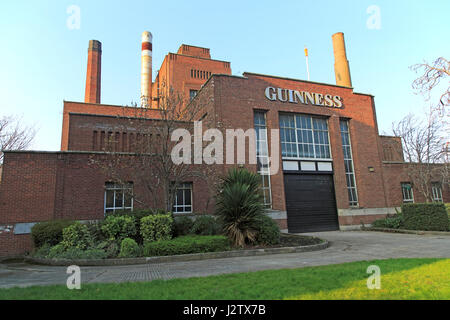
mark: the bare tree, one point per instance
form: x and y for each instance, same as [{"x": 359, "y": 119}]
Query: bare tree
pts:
[
  {"x": 430, "y": 77},
  {"x": 14, "y": 135},
  {"x": 424, "y": 148},
  {"x": 146, "y": 159}
]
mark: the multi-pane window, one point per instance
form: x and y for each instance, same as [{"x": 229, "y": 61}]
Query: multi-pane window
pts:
[
  {"x": 303, "y": 136},
  {"x": 436, "y": 191},
  {"x": 183, "y": 198},
  {"x": 348, "y": 164},
  {"x": 118, "y": 196},
  {"x": 262, "y": 155},
  {"x": 192, "y": 94},
  {"x": 407, "y": 192}
]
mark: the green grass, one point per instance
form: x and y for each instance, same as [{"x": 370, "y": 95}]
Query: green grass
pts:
[{"x": 400, "y": 279}]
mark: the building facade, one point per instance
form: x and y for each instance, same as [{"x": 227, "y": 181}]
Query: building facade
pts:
[{"x": 322, "y": 162}]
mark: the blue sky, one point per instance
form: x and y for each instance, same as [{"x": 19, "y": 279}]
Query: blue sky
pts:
[{"x": 43, "y": 62}]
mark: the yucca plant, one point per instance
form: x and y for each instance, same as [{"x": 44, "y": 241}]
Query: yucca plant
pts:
[{"x": 239, "y": 205}]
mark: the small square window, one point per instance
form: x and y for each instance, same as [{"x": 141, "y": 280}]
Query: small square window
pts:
[{"x": 192, "y": 94}]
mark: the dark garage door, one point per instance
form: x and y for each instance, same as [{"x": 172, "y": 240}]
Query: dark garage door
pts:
[{"x": 310, "y": 203}]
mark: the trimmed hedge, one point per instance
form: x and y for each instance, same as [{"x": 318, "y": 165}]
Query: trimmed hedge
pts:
[
  {"x": 186, "y": 245},
  {"x": 425, "y": 216},
  {"x": 156, "y": 227},
  {"x": 50, "y": 233},
  {"x": 268, "y": 232}
]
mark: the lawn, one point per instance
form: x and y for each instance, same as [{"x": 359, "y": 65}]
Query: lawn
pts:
[{"x": 400, "y": 279}]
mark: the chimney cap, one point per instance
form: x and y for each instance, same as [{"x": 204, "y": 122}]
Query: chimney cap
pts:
[
  {"x": 95, "y": 45},
  {"x": 147, "y": 36}
]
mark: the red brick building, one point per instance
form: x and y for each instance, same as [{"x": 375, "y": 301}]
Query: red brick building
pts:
[{"x": 335, "y": 170}]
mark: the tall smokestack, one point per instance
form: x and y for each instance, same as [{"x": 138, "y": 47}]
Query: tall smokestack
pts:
[
  {"x": 341, "y": 66},
  {"x": 146, "y": 70},
  {"x": 94, "y": 72}
]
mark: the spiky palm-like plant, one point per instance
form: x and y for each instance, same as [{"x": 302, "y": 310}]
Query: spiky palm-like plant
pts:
[{"x": 239, "y": 205}]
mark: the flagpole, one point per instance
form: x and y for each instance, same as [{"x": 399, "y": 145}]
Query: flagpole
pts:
[{"x": 307, "y": 63}]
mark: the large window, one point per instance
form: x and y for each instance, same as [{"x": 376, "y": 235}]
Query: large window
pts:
[
  {"x": 303, "y": 136},
  {"x": 436, "y": 191},
  {"x": 118, "y": 196},
  {"x": 183, "y": 198},
  {"x": 407, "y": 192},
  {"x": 262, "y": 155},
  {"x": 348, "y": 163}
]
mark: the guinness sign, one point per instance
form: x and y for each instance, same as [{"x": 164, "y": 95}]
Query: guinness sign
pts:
[{"x": 303, "y": 97}]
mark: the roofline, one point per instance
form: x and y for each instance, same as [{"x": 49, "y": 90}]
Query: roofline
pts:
[
  {"x": 69, "y": 152},
  {"x": 102, "y": 104},
  {"x": 190, "y": 45},
  {"x": 121, "y": 117},
  {"x": 195, "y": 57}
]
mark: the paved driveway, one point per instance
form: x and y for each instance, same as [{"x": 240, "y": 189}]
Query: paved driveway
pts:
[{"x": 345, "y": 247}]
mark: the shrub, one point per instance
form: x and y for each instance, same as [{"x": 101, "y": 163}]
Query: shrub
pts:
[
  {"x": 239, "y": 205},
  {"x": 112, "y": 250},
  {"x": 128, "y": 248},
  {"x": 156, "y": 227},
  {"x": 268, "y": 232},
  {"x": 58, "y": 252},
  {"x": 43, "y": 251},
  {"x": 393, "y": 222},
  {"x": 425, "y": 216},
  {"x": 77, "y": 236},
  {"x": 95, "y": 229},
  {"x": 48, "y": 232},
  {"x": 118, "y": 227},
  {"x": 205, "y": 226},
  {"x": 186, "y": 245},
  {"x": 182, "y": 226}
]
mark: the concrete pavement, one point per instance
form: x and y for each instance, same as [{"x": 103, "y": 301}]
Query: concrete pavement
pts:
[{"x": 346, "y": 246}]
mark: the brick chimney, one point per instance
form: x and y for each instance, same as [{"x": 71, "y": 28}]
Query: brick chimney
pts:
[
  {"x": 94, "y": 72},
  {"x": 341, "y": 66},
  {"x": 146, "y": 69}
]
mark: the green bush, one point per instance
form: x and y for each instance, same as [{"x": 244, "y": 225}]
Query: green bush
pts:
[
  {"x": 239, "y": 205},
  {"x": 156, "y": 227},
  {"x": 117, "y": 227},
  {"x": 268, "y": 232},
  {"x": 393, "y": 222},
  {"x": 95, "y": 229},
  {"x": 425, "y": 216},
  {"x": 43, "y": 251},
  {"x": 77, "y": 236},
  {"x": 186, "y": 245},
  {"x": 206, "y": 226},
  {"x": 182, "y": 226},
  {"x": 112, "y": 250},
  {"x": 48, "y": 232},
  {"x": 58, "y": 252},
  {"x": 129, "y": 248}
]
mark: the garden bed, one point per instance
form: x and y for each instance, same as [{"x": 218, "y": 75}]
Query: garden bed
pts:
[{"x": 288, "y": 244}]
